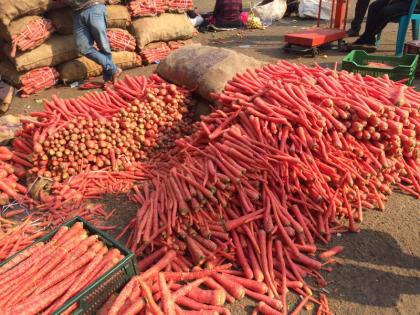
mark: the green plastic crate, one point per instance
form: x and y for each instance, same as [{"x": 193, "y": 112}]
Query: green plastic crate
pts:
[
  {"x": 97, "y": 293},
  {"x": 403, "y": 66}
]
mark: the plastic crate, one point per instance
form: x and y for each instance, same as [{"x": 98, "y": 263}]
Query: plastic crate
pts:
[
  {"x": 96, "y": 294},
  {"x": 403, "y": 67}
]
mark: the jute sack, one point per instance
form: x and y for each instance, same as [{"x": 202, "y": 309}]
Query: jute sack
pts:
[
  {"x": 54, "y": 51},
  {"x": 162, "y": 28},
  {"x": 6, "y": 97},
  {"x": 203, "y": 67},
  {"x": 12, "y": 9},
  {"x": 117, "y": 17},
  {"x": 83, "y": 68},
  {"x": 9, "y": 73},
  {"x": 16, "y": 27},
  {"x": 62, "y": 20}
]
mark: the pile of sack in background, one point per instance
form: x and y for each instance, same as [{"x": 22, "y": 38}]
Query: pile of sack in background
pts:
[{"x": 39, "y": 48}]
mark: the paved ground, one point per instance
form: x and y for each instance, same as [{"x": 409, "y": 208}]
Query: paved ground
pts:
[{"x": 380, "y": 271}]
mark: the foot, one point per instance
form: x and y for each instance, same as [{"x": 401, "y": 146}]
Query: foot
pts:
[
  {"x": 352, "y": 33},
  {"x": 116, "y": 75}
]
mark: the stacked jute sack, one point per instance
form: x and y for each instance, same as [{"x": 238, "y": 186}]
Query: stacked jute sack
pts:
[
  {"x": 39, "y": 45},
  {"x": 157, "y": 24},
  {"x": 121, "y": 41},
  {"x": 40, "y": 48}
]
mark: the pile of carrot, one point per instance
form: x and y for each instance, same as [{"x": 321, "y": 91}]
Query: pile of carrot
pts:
[
  {"x": 108, "y": 129},
  {"x": 14, "y": 236},
  {"x": 147, "y": 7},
  {"x": 32, "y": 35},
  {"x": 157, "y": 291},
  {"x": 10, "y": 174},
  {"x": 120, "y": 40},
  {"x": 294, "y": 156},
  {"x": 155, "y": 52},
  {"x": 38, "y": 79},
  {"x": 180, "y": 6},
  {"x": 48, "y": 274},
  {"x": 176, "y": 44}
]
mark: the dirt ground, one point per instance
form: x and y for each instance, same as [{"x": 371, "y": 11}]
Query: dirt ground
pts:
[{"x": 379, "y": 271}]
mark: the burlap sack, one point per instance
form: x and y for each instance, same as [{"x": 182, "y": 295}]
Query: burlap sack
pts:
[
  {"x": 9, "y": 73},
  {"x": 162, "y": 28},
  {"x": 83, "y": 68},
  {"x": 6, "y": 97},
  {"x": 117, "y": 17},
  {"x": 14, "y": 28},
  {"x": 9, "y": 125},
  {"x": 62, "y": 20},
  {"x": 12, "y": 9},
  {"x": 54, "y": 51},
  {"x": 203, "y": 67}
]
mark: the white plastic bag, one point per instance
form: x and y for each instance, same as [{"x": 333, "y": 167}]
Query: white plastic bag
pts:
[
  {"x": 197, "y": 21},
  {"x": 309, "y": 8},
  {"x": 269, "y": 11}
]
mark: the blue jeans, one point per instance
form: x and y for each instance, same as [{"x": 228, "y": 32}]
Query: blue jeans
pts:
[{"x": 89, "y": 28}]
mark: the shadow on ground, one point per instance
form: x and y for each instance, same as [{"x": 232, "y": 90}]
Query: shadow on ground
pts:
[{"x": 362, "y": 268}]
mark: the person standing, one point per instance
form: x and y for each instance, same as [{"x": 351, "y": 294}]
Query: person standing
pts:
[
  {"x": 227, "y": 14},
  {"x": 359, "y": 15},
  {"x": 90, "y": 27}
]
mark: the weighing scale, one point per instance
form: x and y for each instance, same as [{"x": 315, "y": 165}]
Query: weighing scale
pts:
[{"x": 311, "y": 39}]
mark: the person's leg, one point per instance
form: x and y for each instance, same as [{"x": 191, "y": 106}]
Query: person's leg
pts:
[
  {"x": 97, "y": 27},
  {"x": 359, "y": 15},
  {"x": 381, "y": 12},
  {"x": 84, "y": 40}
]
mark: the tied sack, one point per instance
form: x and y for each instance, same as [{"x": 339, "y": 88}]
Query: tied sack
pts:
[
  {"x": 13, "y": 29},
  {"x": 203, "y": 67},
  {"x": 162, "y": 28},
  {"x": 12, "y": 9},
  {"x": 54, "y": 51},
  {"x": 83, "y": 68},
  {"x": 62, "y": 19}
]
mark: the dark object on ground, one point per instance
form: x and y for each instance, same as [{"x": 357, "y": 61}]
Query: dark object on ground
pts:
[
  {"x": 292, "y": 7},
  {"x": 352, "y": 33}
]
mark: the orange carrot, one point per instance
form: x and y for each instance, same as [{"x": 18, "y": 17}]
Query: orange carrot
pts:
[{"x": 167, "y": 299}]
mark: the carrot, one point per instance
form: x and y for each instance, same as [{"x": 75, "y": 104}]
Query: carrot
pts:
[
  {"x": 232, "y": 224},
  {"x": 35, "y": 304},
  {"x": 22, "y": 256},
  {"x": 253, "y": 285},
  {"x": 234, "y": 288},
  {"x": 167, "y": 299},
  {"x": 193, "y": 275},
  {"x": 148, "y": 260},
  {"x": 187, "y": 302},
  {"x": 331, "y": 252},
  {"x": 149, "y": 298},
  {"x": 266, "y": 309},
  {"x": 161, "y": 264},
  {"x": 211, "y": 297},
  {"x": 241, "y": 256}
]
